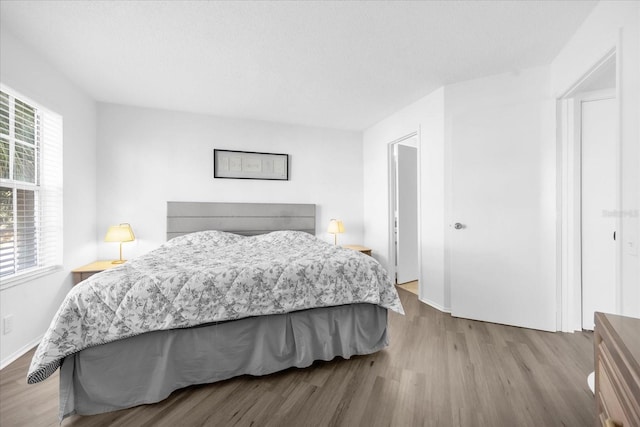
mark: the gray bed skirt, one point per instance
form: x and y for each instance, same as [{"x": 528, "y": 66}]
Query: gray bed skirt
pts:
[{"x": 147, "y": 368}]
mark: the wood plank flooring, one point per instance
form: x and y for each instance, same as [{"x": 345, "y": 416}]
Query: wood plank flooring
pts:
[
  {"x": 410, "y": 286},
  {"x": 437, "y": 371}
]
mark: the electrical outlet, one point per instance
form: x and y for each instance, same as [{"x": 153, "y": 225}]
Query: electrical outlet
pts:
[{"x": 7, "y": 324}]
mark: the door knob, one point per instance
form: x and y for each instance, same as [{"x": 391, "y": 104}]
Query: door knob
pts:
[{"x": 458, "y": 226}]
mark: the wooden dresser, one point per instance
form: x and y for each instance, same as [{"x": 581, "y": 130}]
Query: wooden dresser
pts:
[{"x": 617, "y": 363}]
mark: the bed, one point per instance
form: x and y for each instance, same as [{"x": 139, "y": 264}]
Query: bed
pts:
[{"x": 238, "y": 289}]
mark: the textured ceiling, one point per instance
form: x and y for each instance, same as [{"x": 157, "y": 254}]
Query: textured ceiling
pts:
[{"x": 331, "y": 64}]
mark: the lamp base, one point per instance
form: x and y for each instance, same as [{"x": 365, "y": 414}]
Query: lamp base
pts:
[{"x": 119, "y": 261}]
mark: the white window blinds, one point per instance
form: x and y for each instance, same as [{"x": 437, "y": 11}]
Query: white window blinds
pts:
[{"x": 30, "y": 188}]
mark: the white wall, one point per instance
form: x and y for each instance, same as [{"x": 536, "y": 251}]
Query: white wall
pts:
[
  {"x": 610, "y": 22},
  {"x": 432, "y": 117},
  {"x": 426, "y": 118},
  {"x": 34, "y": 303},
  {"x": 147, "y": 157}
]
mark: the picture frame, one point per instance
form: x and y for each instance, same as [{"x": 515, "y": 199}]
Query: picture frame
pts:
[{"x": 233, "y": 164}]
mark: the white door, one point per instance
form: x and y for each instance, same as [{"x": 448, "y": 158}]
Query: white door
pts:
[
  {"x": 407, "y": 214},
  {"x": 598, "y": 132},
  {"x": 497, "y": 255}
]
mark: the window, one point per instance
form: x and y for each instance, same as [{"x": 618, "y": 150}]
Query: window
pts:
[{"x": 30, "y": 188}]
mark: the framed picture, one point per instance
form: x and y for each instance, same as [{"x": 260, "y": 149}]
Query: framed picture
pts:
[{"x": 250, "y": 165}]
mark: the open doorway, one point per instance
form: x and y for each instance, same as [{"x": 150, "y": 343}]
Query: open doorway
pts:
[
  {"x": 589, "y": 179},
  {"x": 403, "y": 155}
]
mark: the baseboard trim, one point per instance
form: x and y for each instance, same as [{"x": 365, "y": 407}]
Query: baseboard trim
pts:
[
  {"x": 20, "y": 352},
  {"x": 434, "y": 305}
]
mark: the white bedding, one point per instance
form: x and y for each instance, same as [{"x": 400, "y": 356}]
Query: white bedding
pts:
[{"x": 207, "y": 277}]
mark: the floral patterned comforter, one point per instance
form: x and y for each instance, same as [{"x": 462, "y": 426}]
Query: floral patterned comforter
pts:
[{"x": 206, "y": 277}]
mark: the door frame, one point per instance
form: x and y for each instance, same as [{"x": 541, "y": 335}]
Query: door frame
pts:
[
  {"x": 569, "y": 199},
  {"x": 391, "y": 168}
]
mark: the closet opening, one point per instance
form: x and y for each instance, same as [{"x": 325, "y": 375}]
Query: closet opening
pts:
[
  {"x": 589, "y": 198},
  {"x": 403, "y": 206}
]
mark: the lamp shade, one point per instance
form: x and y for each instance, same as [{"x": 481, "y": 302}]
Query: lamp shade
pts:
[
  {"x": 335, "y": 226},
  {"x": 119, "y": 233}
]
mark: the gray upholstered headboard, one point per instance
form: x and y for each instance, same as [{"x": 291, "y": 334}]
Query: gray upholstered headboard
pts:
[{"x": 241, "y": 218}]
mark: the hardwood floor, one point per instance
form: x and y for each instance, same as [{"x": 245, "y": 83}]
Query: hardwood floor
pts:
[
  {"x": 437, "y": 371},
  {"x": 410, "y": 286}
]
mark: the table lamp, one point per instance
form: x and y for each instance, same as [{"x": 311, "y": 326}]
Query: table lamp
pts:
[
  {"x": 335, "y": 227},
  {"x": 119, "y": 233}
]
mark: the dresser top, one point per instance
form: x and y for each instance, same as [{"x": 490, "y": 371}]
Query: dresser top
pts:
[{"x": 627, "y": 329}]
